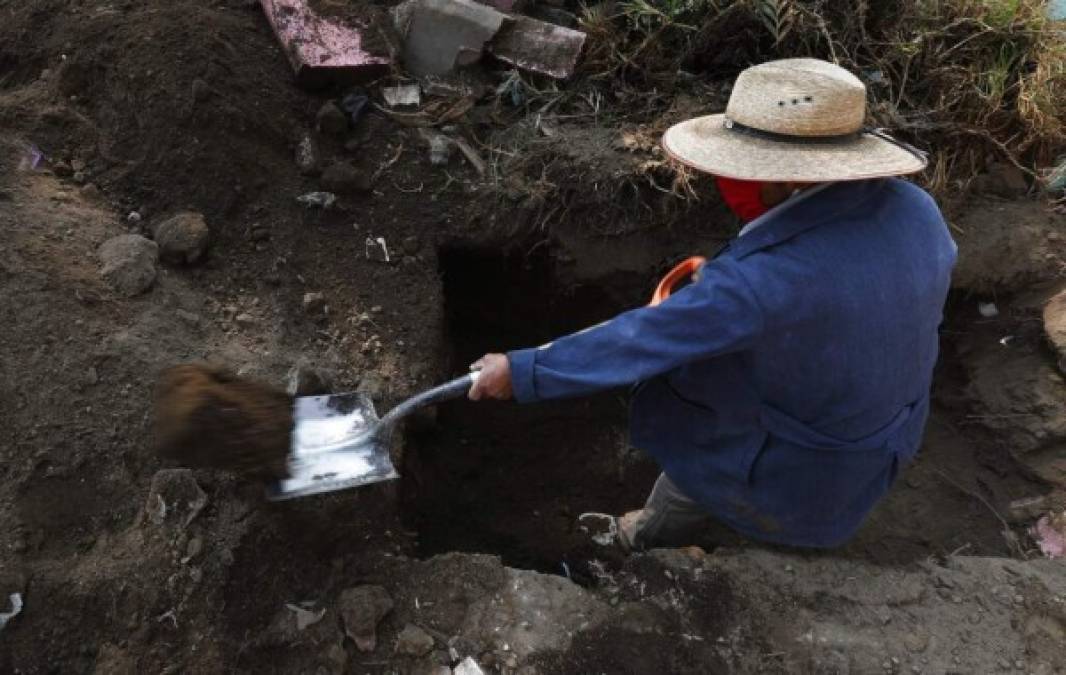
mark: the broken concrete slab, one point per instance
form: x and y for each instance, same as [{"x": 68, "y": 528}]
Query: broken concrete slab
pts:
[
  {"x": 539, "y": 47},
  {"x": 442, "y": 35},
  {"x": 323, "y": 50}
]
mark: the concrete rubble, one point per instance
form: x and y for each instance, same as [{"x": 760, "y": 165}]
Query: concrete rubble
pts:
[
  {"x": 441, "y": 36},
  {"x": 321, "y": 49},
  {"x": 129, "y": 263}
]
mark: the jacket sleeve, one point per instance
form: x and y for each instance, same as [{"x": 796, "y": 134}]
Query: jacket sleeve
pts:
[{"x": 717, "y": 314}]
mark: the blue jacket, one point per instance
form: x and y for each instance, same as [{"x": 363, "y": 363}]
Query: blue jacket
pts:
[{"x": 784, "y": 389}]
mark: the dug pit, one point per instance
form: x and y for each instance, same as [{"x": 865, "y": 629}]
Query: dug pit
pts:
[
  {"x": 501, "y": 478},
  {"x": 511, "y": 480}
]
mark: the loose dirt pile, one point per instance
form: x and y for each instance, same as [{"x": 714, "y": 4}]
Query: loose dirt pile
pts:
[{"x": 207, "y": 417}]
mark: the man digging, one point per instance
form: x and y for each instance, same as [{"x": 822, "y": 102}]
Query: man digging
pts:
[{"x": 783, "y": 389}]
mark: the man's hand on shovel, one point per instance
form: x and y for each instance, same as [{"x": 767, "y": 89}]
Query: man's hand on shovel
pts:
[{"x": 494, "y": 380}]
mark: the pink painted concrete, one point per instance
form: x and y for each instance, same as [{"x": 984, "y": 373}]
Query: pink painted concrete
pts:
[{"x": 319, "y": 48}]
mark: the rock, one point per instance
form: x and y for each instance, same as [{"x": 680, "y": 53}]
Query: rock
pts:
[
  {"x": 338, "y": 658},
  {"x": 308, "y": 156},
  {"x": 62, "y": 169},
  {"x": 361, "y": 609},
  {"x": 79, "y": 177},
  {"x": 245, "y": 319},
  {"x": 343, "y": 178},
  {"x": 305, "y": 380},
  {"x": 331, "y": 119},
  {"x": 373, "y": 385},
  {"x": 353, "y": 144},
  {"x": 174, "y": 498},
  {"x": 468, "y": 666},
  {"x": 182, "y": 238},
  {"x": 77, "y": 165},
  {"x": 259, "y": 232},
  {"x": 411, "y": 245},
  {"x": 916, "y": 641},
  {"x": 90, "y": 191},
  {"x": 314, "y": 303},
  {"x": 413, "y": 641},
  {"x": 129, "y": 263},
  {"x": 200, "y": 90},
  {"x": 1004, "y": 180},
  {"x": 188, "y": 317},
  {"x": 195, "y": 547},
  {"x": 1027, "y": 509},
  {"x": 112, "y": 660},
  {"x": 1055, "y": 322}
]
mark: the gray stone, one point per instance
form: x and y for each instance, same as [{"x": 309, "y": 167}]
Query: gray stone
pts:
[
  {"x": 412, "y": 245},
  {"x": 1005, "y": 180},
  {"x": 174, "y": 498},
  {"x": 331, "y": 119},
  {"x": 444, "y": 34},
  {"x": 62, "y": 169},
  {"x": 343, "y": 178},
  {"x": 306, "y": 380},
  {"x": 129, "y": 263},
  {"x": 182, "y": 238},
  {"x": 308, "y": 156},
  {"x": 195, "y": 547},
  {"x": 1055, "y": 322},
  {"x": 91, "y": 192},
  {"x": 468, "y": 666},
  {"x": 200, "y": 90},
  {"x": 413, "y": 641},
  {"x": 361, "y": 609},
  {"x": 314, "y": 303}
]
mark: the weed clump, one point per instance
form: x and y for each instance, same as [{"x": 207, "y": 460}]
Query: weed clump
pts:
[{"x": 974, "y": 81}]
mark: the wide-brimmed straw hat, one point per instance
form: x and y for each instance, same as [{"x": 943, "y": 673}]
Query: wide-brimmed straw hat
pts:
[{"x": 796, "y": 120}]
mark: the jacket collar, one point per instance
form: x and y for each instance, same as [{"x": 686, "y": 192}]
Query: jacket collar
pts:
[{"x": 828, "y": 204}]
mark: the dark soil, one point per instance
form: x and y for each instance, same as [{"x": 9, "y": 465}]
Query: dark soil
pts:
[
  {"x": 186, "y": 105},
  {"x": 207, "y": 417}
]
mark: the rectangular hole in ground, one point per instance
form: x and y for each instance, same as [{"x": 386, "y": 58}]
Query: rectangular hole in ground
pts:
[{"x": 508, "y": 479}]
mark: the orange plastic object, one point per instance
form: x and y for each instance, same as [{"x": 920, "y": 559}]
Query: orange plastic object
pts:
[{"x": 684, "y": 270}]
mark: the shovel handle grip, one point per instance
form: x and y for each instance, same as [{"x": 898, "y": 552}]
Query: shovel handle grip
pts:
[
  {"x": 682, "y": 271},
  {"x": 445, "y": 392}
]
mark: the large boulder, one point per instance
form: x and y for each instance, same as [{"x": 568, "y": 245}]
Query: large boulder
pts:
[
  {"x": 182, "y": 238},
  {"x": 129, "y": 263},
  {"x": 1055, "y": 326}
]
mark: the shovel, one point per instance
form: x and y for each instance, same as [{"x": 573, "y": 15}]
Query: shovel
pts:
[{"x": 338, "y": 442}]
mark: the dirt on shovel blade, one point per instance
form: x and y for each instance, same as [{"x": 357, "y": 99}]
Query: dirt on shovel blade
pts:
[{"x": 207, "y": 417}]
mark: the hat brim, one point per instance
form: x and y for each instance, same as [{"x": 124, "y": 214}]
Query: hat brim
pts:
[{"x": 705, "y": 144}]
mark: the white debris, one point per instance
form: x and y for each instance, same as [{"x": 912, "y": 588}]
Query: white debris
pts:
[
  {"x": 305, "y": 617},
  {"x": 16, "y": 607},
  {"x": 605, "y": 538},
  {"x": 134, "y": 217},
  {"x": 377, "y": 249},
  {"x": 402, "y": 95},
  {"x": 988, "y": 310},
  {"x": 468, "y": 666},
  {"x": 322, "y": 200}
]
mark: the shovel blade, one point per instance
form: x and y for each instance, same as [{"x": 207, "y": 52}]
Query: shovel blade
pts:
[{"x": 331, "y": 449}]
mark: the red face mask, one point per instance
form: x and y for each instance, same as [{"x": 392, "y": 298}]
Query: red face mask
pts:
[{"x": 743, "y": 197}]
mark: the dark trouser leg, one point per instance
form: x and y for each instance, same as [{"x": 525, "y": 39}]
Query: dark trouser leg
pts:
[{"x": 668, "y": 519}]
